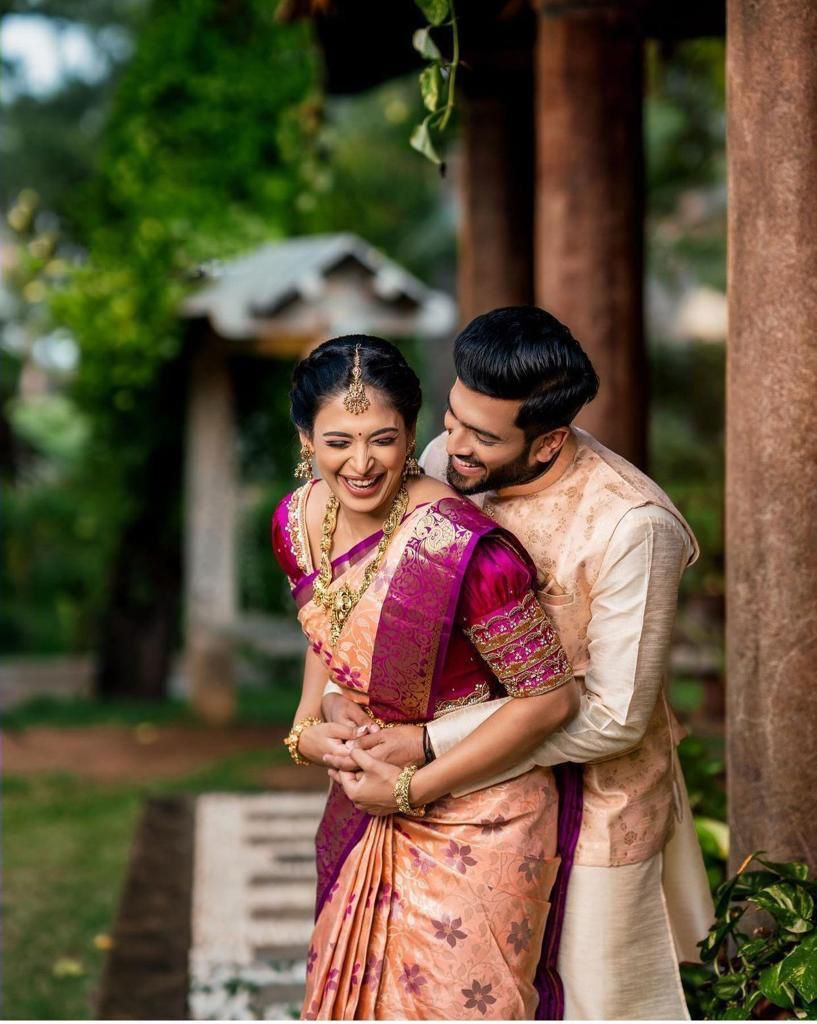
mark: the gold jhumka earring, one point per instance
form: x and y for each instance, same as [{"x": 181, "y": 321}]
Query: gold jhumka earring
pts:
[
  {"x": 303, "y": 471},
  {"x": 355, "y": 400},
  {"x": 411, "y": 467}
]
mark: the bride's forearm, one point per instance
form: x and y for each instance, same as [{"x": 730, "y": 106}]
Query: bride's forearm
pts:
[{"x": 502, "y": 741}]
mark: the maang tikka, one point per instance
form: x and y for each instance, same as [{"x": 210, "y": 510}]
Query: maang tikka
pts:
[{"x": 355, "y": 400}]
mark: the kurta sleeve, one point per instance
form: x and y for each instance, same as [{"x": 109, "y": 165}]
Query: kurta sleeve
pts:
[
  {"x": 500, "y": 615},
  {"x": 283, "y": 543}
]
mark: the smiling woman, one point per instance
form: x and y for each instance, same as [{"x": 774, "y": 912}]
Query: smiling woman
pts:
[{"x": 414, "y": 604}]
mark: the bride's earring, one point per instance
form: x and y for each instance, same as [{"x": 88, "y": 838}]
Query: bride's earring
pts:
[
  {"x": 412, "y": 466},
  {"x": 303, "y": 471}
]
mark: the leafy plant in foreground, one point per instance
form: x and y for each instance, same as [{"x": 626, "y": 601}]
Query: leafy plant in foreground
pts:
[{"x": 771, "y": 970}]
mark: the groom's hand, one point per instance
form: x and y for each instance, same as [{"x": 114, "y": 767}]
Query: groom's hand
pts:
[
  {"x": 401, "y": 745},
  {"x": 371, "y": 786}
]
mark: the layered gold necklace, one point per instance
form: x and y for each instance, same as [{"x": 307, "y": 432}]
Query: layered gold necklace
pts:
[{"x": 339, "y": 603}]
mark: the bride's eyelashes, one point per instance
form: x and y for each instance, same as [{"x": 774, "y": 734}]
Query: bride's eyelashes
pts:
[{"x": 381, "y": 443}]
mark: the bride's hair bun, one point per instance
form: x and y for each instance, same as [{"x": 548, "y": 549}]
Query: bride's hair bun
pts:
[{"x": 327, "y": 371}]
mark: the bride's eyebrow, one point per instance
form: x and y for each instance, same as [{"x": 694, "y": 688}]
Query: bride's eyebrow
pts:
[{"x": 375, "y": 433}]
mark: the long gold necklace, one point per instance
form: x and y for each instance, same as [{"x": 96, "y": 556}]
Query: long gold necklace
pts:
[{"x": 340, "y": 603}]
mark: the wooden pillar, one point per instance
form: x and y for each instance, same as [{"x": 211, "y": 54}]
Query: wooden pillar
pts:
[
  {"x": 210, "y": 505},
  {"x": 495, "y": 259},
  {"x": 771, "y": 461},
  {"x": 589, "y": 205}
]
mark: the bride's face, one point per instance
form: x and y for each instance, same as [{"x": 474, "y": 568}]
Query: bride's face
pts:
[{"x": 361, "y": 457}]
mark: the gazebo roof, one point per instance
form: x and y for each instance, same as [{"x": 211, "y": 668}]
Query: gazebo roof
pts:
[{"x": 292, "y": 285}]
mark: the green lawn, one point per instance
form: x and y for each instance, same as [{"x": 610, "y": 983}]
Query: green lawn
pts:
[{"x": 65, "y": 848}]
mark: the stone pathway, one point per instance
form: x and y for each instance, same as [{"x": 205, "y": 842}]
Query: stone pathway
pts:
[{"x": 253, "y": 904}]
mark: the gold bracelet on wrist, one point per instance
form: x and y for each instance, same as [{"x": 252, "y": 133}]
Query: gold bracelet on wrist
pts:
[
  {"x": 401, "y": 793},
  {"x": 291, "y": 742}
]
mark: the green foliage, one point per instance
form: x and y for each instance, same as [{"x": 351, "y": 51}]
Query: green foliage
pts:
[
  {"x": 437, "y": 79},
  {"x": 687, "y": 446},
  {"x": 775, "y": 963},
  {"x": 52, "y": 561}
]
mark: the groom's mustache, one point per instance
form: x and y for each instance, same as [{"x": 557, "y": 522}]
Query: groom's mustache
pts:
[{"x": 468, "y": 460}]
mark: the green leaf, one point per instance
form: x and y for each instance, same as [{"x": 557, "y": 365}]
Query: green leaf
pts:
[
  {"x": 793, "y": 869},
  {"x": 430, "y": 86},
  {"x": 421, "y": 141},
  {"x": 425, "y": 45},
  {"x": 809, "y": 1012},
  {"x": 728, "y": 985},
  {"x": 750, "y": 882},
  {"x": 713, "y": 835},
  {"x": 733, "y": 1013},
  {"x": 712, "y": 943},
  {"x": 436, "y": 11},
  {"x": 775, "y": 990},
  {"x": 800, "y": 968},
  {"x": 790, "y": 905}
]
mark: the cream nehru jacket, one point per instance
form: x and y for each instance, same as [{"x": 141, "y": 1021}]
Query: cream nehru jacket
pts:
[{"x": 610, "y": 548}]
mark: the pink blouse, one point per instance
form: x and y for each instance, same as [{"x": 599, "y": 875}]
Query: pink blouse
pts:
[{"x": 504, "y": 642}]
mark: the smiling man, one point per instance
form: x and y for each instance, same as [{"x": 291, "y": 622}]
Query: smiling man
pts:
[{"x": 609, "y": 548}]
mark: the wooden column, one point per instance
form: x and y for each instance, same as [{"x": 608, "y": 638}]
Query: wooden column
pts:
[
  {"x": 771, "y": 463},
  {"x": 589, "y": 206},
  {"x": 210, "y": 505},
  {"x": 495, "y": 258}
]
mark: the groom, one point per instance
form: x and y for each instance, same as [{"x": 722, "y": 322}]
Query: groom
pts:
[{"x": 610, "y": 548}]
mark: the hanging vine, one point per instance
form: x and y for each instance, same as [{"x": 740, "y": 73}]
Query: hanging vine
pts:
[{"x": 437, "y": 79}]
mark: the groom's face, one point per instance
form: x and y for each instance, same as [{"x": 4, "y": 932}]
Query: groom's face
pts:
[{"x": 486, "y": 450}]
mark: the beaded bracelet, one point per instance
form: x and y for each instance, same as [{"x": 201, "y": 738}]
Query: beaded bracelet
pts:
[
  {"x": 401, "y": 793},
  {"x": 291, "y": 742}
]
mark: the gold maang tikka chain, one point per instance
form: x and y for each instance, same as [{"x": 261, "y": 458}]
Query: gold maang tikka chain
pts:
[
  {"x": 339, "y": 603},
  {"x": 355, "y": 400}
]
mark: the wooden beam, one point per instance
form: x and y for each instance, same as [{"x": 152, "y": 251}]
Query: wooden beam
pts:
[
  {"x": 210, "y": 508},
  {"x": 771, "y": 457},
  {"x": 590, "y": 207}
]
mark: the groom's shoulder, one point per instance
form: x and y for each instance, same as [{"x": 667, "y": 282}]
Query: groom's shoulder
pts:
[
  {"x": 434, "y": 459},
  {"x": 604, "y": 461}
]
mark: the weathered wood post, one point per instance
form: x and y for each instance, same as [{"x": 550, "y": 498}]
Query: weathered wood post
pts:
[
  {"x": 211, "y": 505},
  {"x": 495, "y": 253},
  {"x": 590, "y": 200},
  {"x": 771, "y": 459}
]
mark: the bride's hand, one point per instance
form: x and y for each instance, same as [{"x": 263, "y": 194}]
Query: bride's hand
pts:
[
  {"x": 326, "y": 738},
  {"x": 400, "y": 745},
  {"x": 343, "y": 711},
  {"x": 371, "y": 788}
]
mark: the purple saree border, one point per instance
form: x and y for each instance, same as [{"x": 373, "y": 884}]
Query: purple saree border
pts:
[
  {"x": 340, "y": 815},
  {"x": 570, "y": 783}
]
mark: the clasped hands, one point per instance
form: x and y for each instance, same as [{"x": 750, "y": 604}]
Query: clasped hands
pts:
[{"x": 361, "y": 757}]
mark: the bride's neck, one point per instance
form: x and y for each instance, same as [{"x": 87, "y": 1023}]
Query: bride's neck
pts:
[{"x": 359, "y": 525}]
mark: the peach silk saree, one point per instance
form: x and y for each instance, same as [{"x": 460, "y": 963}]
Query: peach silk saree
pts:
[{"x": 455, "y": 915}]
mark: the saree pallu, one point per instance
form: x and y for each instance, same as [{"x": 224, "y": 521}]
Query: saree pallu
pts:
[{"x": 445, "y": 916}]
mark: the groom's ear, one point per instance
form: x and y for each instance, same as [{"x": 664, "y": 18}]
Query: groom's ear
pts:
[{"x": 545, "y": 447}]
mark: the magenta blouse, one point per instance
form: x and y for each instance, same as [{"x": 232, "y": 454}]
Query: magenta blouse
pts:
[{"x": 503, "y": 642}]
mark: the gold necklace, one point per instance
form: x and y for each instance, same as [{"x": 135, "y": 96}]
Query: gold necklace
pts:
[{"x": 340, "y": 603}]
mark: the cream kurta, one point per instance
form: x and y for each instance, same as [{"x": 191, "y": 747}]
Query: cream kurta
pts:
[{"x": 638, "y": 899}]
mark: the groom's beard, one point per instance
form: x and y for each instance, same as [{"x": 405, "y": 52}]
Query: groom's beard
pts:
[{"x": 520, "y": 471}]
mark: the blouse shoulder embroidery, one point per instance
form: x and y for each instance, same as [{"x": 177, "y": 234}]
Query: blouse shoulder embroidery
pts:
[
  {"x": 296, "y": 528},
  {"x": 522, "y": 649}
]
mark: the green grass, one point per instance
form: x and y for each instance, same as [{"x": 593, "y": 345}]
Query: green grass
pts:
[
  {"x": 65, "y": 850},
  {"x": 257, "y": 706}
]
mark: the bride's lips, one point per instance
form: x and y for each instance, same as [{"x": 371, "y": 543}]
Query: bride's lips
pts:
[
  {"x": 352, "y": 485},
  {"x": 465, "y": 469}
]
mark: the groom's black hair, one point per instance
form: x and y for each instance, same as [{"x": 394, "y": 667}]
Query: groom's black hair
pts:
[{"x": 524, "y": 353}]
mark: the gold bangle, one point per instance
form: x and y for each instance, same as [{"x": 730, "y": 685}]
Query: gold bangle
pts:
[
  {"x": 401, "y": 793},
  {"x": 291, "y": 742}
]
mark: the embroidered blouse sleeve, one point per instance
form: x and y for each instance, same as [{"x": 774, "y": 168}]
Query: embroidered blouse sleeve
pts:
[
  {"x": 499, "y": 613},
  {"x": 286, "y": 538}
]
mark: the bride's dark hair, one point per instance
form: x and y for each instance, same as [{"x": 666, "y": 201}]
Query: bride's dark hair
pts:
[{"x": 327, "y": 371}]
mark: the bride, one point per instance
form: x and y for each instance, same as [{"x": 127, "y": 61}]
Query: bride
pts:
[{"x": 416, "y": 603}]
